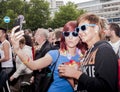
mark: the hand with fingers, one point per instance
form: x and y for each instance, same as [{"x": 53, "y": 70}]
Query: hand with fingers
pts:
[
  {"x": 67, "y": 71},
  {"x": 15, "y": 37},
  {"x": 11, "y": 78}
]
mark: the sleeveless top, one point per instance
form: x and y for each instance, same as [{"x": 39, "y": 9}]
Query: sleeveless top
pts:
[{"x": 8, "y": 63}]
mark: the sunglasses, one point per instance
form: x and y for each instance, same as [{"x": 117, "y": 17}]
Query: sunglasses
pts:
[
  {"x": 83, "y": 27},
  {"x": 66, "y": 34}
]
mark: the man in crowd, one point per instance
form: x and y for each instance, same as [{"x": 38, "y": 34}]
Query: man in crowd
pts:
[
  {"x": 113, "y": 32},
  {"x": 43, "y": 46},
  {"x": 5, "y": 60}
]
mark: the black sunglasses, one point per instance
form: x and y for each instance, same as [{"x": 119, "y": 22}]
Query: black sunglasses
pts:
[
  {"x": 66, "y": 34},
  {"x": 83, "y": 27}
]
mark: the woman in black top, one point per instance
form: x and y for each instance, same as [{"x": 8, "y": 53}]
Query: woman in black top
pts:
[{"x": 99, "y": 70}]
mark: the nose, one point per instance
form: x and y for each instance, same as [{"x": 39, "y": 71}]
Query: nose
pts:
[
  {"x": 80, "y": 33},
  {"x": 70, "y": 37}
]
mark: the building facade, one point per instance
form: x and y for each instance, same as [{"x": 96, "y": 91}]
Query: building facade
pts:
[
  {"x": 59, "y": 3},
  {"x": 109, "y": 9},
  {"x": 54, "y": 6}
]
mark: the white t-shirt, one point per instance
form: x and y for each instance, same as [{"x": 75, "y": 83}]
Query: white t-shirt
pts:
[
  {"x": 115, "y": 46},
  {"x": 22, "y": 69}
]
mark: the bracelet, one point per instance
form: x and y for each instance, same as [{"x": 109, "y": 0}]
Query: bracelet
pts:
[{"x": 25, "y": 62}]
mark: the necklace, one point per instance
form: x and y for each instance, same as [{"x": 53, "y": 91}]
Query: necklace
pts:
[
  {"x": 69, "y": 56},
  {"x": 85, "y": 59}
]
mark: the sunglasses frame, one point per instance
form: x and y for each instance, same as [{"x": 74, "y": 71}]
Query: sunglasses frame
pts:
[
  {"x": 85, "y": 27},
  {"x": 74, "y": 34}
]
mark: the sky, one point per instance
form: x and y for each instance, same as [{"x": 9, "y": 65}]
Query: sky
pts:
[{"x": 75, "y": 1}]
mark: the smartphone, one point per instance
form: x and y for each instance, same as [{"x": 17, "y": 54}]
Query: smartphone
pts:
[{"x": 18, "y": 23}]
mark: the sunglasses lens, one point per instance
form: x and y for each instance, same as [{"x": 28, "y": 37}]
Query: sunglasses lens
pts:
[
  {"x": 77, "y": 29},
  {"x": 83, "y": 28},
  {"x": 66, "y": 34},
  {"x": 74, "y": 34}
]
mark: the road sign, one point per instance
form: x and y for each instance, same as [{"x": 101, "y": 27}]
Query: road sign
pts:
[{"x": 6, "y": 19}]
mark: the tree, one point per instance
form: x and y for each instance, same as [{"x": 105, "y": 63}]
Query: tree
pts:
[
  {"x": 19, "y": 7},
  {"x": 2, "y": 12},
  {"x": 66, "y": 13},
  {"x": 11, "y": 8},
  {"x": 38, "y": 14}
]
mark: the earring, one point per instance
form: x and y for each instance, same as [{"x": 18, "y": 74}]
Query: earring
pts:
[{"x": 96, "y": 31}]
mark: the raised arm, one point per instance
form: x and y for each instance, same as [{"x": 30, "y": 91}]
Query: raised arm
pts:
[{"x": 33, "y": 65}]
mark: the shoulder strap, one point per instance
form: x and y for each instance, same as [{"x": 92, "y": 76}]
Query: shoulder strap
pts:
[{"x": 54, "y": 64}]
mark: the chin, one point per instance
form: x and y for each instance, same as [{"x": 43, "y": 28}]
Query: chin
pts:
[{"x": 71, "y": 46}]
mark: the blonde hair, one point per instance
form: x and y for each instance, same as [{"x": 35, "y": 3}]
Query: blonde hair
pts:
[{"x": 93, "y": 19}]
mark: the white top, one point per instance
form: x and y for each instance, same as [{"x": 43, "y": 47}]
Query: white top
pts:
[
  {"x": 8, "y": 63},
  {"x": 21, "y": 69},
  {"x": 115, "y": 46}
]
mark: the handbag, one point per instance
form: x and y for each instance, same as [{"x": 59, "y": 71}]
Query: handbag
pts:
[{"x": 47, "y": 77}]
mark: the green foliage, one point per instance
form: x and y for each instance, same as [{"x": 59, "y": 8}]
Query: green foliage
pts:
[
  {"x": 36, "y": 13},
  {"x": 2, "y": 12},
  {"x": 66, "y": 13},
  {"x": 11, "y": 8}
]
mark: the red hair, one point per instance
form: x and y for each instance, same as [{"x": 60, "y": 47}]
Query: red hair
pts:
[{"x": 69, "y": 26}]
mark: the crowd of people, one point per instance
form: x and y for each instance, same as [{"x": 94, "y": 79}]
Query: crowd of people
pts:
[{"x": 86, "y": 50}]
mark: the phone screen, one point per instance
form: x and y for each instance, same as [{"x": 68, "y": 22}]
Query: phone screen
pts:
[{"x": 17, "y": 23}]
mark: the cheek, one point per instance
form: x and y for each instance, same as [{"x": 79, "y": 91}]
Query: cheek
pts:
[
  {"x": 77, "y": 40},
  {"x": 0, "y": 34},
  {"x": 74, "y": 41},
  {"x": 90, "y": 35},
  {"x": 86, "y": 36},
  {"x": 20, "y": 45},
  {"x": 36, "y": 39},
  {"x": 81, "y": 34},
  {"x": 107, "y": 33}
]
